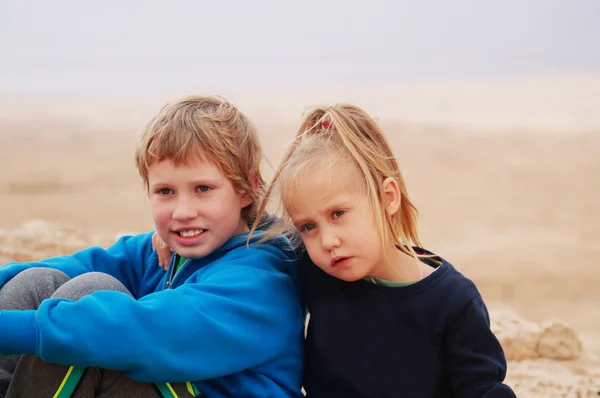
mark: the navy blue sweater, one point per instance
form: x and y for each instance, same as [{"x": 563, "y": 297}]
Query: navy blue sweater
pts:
[{"x": 429, "y": 339}]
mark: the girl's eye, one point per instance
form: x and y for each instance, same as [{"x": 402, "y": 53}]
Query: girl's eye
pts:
[
  {"x": 203, "y": 188},
  {"x": 164, "y": 191},
  {"x": 307, "y": 227},
  {"x": 338, "y": 213}
]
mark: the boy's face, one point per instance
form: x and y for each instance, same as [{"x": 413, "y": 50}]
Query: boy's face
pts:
[{"x": 195, "y": 207}]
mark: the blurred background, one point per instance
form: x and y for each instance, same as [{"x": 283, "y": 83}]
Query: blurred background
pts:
[{"x": 492, "y": 109}]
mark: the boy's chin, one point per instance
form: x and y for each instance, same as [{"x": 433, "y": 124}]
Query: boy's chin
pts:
[{"x": 190, "y": 252}]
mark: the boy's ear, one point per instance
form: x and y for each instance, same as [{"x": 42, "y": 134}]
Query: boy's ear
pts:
[
  {"x": 246, "y": 201},
  {"x": 391, "y": 195},
  {"x": 254, "y": 178},
  {"x": 255, "y": 181}
]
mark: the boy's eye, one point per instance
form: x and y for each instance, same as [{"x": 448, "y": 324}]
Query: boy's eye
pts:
[
  {"x": 338, "y": 213},
  {"x": 164, "y": 191},
  {"x": 203, "y": 188}
]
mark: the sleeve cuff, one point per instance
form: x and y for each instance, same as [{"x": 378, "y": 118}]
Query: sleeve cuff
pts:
[{"x": 18, "y": 332}]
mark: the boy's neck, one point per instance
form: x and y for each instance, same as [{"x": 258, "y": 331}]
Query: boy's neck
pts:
[{"x": 242, "y": 227}]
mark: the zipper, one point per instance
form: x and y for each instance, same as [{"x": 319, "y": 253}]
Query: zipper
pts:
[
  {"x": 174, "y": 274},
  {"x": 174, "y": 260}
]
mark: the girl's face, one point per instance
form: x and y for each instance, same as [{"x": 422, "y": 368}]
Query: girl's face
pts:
[{"x": 337, "y": 224}]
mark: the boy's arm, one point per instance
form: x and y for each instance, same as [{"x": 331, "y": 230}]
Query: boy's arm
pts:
[
  {"x": 124, "y": 260},
  {"x": 236, "y": 318},
  {"x": 475, "y": 361}
]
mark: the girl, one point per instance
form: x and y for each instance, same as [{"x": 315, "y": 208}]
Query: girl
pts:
[{"x": 387, "y": 317}]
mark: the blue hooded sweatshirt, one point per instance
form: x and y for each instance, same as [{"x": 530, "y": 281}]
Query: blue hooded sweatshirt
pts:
[{"x": 231, "y": 322}]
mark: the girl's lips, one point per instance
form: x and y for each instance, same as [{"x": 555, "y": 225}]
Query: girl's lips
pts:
[{"x": 337, "y": 262}]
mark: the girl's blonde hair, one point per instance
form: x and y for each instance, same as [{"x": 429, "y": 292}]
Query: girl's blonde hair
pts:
[
  {"x": 329, "y": 135},
  {"x": 205, "y": 128}
]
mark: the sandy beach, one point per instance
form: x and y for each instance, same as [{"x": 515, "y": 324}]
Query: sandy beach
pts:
[{"x": 505, "y": 174}]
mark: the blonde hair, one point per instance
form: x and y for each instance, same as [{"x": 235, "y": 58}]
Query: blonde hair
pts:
[
  {"x": 347, "y": 133},
  {"x": 210, "y": 129}
]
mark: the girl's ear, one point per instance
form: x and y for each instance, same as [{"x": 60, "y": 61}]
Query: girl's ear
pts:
[{"x": 391, "y": 195}]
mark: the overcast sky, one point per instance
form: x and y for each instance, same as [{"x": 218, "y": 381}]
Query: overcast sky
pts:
[{"x": 119, "y": 48}]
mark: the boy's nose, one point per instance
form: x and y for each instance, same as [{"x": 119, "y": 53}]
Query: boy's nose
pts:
[{"x": 185, "y": 210}]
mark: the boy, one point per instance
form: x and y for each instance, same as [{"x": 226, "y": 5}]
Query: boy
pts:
[{"x": 224, "y": 321}]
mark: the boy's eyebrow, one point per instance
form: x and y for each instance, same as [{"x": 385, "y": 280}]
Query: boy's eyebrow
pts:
[
  {"x": 208, "y": 180},
  {"x": 158, "y": 183},
  {"x": 199, "y": 181}
]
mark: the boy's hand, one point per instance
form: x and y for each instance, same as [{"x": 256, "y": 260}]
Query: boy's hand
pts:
[{"x": 163, "y": 251}]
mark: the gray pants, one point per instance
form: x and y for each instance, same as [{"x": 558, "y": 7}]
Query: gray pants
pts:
[{"x": 28, "y": 376}]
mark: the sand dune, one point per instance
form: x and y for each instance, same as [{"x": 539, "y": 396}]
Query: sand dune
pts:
[
  {"x": 506, "y": 176},
  {"x": 543, "y": 105}
]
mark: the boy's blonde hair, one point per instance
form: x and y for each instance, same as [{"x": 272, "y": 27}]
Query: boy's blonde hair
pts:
[
  {"x": 207, "y": 128},
  {"x": 330, "y": 135}
]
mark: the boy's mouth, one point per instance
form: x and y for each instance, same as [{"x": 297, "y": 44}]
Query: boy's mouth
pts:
[{"x": 190, "y": 233}]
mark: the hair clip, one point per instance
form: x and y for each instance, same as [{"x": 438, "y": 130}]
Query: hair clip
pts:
[{"x": 326, "y": 124}]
